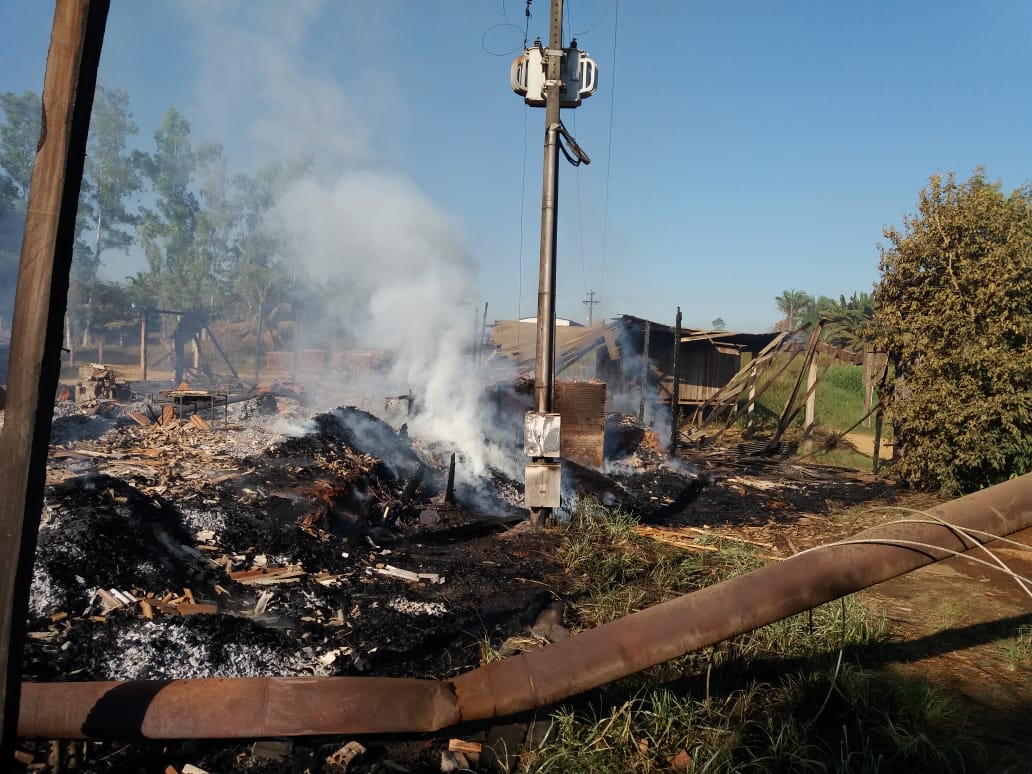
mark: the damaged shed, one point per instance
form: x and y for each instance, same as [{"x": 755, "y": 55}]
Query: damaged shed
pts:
[
  {"x": 706, "y": 360},
  {"x": 614, "y": 353}
]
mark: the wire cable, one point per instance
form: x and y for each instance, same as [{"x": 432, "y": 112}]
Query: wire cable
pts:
[
  {"x": 598, "y": 23},
  {"x": 523, "y": 212},
  {"x": 838, "y": 665},
  {"x": 928, "y": 549},
  {"x": 507, "y": 52},
  {"x": 964, "y": 533},
  {"x": 609, "y": 154}
]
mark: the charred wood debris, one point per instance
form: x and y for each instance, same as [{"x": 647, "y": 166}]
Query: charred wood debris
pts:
[{"x": 281, "y": 541}]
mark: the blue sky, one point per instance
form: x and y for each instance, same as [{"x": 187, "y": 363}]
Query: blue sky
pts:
[{"x": 738, "y": 148}]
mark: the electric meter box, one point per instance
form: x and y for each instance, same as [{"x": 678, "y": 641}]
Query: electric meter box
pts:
[
  {"x": 579, "y": 76},
  {"x": 542, "y": 484},
  {"x": 541, "y": 434}
]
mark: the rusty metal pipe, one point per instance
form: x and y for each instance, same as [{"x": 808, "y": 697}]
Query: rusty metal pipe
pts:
[
  {"x": 243, "y": 708},
  {"x": 254, "y": 707}
]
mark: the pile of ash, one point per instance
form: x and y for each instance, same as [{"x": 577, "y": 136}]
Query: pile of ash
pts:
[
  {"x": 174, "y": 552},
  {"x": 330, "y": 553}
]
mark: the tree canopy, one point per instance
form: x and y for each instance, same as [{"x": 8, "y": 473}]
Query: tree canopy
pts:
[
  {"x": 794, "y": 304},
  {"x": 19, "y": 135},
  {"x": 954, "y": 312}
]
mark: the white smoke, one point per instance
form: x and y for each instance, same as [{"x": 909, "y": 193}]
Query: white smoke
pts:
[
  {"x": 397, "y": 264},
  {"x": 404, "y": 279}
]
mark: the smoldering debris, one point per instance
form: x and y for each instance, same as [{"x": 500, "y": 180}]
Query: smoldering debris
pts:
[
  {"x": 237, "y": 563},
  {"x": 293, "y": 544}
]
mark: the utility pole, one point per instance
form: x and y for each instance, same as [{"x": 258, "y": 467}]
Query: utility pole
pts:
[
  {"x": 590, "y": 302},
  {"x": 551, "y": 78},
  {"x": 675, "y": 393},
  {"x": 544, "y": 363}
]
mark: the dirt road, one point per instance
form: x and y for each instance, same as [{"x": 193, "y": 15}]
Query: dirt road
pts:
[{"x": 865, "y": 445}]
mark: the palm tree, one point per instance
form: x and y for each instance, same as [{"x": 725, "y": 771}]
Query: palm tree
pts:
[
  {"x": 794, "y": 304},
  {"x": 848, "y": 326}
]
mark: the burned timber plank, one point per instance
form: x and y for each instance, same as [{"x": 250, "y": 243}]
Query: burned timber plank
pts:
[
  {"x": 38, "y": 323},
  {"x": 583, "y": 409}
]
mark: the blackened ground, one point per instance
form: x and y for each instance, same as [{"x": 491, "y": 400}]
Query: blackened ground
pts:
[
  {"x": 324, "y": 502},
  {"x": 102, "y": 532},
  {"x": 347, "y": 502}
]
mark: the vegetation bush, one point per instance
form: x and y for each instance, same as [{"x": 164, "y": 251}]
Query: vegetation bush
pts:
[{"x": 954, "y": 312}]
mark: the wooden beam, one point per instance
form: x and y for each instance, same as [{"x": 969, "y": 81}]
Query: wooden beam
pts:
[
  {"x": 36, "y": 333},
  {"x": 811, "y": 405},
  {"x": 675, "y": 393},
  {"x": 786, "y": 415}
]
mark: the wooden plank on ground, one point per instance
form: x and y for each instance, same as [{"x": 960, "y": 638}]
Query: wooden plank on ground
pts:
[
  {"x": 140, "y": 419},
  {"x": 200, "y": 421}
]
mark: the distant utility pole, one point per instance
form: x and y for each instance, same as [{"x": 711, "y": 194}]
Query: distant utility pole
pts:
[
  {"x": 552, "y": 78},
  {"x": 590, "y": 302}
]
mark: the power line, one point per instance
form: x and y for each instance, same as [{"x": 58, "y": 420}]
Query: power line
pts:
[
  {"x": 591, "y": 28},
  {"x": 609, "y": 152},
  {"x": 523, "y": 209}
]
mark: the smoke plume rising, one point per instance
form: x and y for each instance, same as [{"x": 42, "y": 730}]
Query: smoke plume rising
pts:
[{"x": 401, "y": 276}]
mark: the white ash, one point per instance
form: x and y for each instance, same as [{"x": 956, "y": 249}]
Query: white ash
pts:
[
  {"x": 258, "y": 433},
  {"x": 69, "y": 426},
  {"x": 44, "y": 598},
  {"x": 151, "y": 651},
  {"x": 411, "y": 607},
  {"x": 204, "y": 519}
]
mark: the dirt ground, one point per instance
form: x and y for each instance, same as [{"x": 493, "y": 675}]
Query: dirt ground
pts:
[
  {"x": 332, "y": 503},
  {"x": 865, "y": 445}
]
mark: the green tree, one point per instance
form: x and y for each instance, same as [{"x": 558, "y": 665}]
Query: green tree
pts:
[
  {"x": 954, "y": 312},
  {"x": 719, "y": 324},
  {"x": 794, "y": 304},
  {"x": 168, "y": 231},
  {"x": 111, "y": 178},
  {"x": 114, "y": 177},
  {"x": 846, "y": 321},
  {"x": 19, "y": 136}
]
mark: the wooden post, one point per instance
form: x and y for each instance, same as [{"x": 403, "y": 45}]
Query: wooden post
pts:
[
  {"x": 39, "y": 310},
  {"x": 70, "y": 341},
  {"x": 675, "y": 395},
  {"x": 258, "y": 344},
  {"x": 877, "y": 440},
  {"x": 143, "y": 345},
  {"x": 645, "y": 370},
  {"x": 449, "y": 491},
  {"x": 811, "y": 404},
  {"x": 868, "y": 378},
  {"x": 750, "y": 408},
  {"x": 786, "y": 413}
]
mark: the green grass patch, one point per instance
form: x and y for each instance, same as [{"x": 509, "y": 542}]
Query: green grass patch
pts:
[
  {"x": 824, "y": 721},
  {"x": 1017, "y": 651},
  {"x": 812, "y": 713},
  {"x": 839, "y": 399}
]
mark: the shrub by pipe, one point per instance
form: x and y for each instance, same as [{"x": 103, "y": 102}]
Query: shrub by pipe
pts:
[{"x": 289, "y": 706}]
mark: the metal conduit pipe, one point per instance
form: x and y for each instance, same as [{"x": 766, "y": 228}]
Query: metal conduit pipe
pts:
[
  {"x": 255, "y": 707},
  {"x": 240, "y": 708}
]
